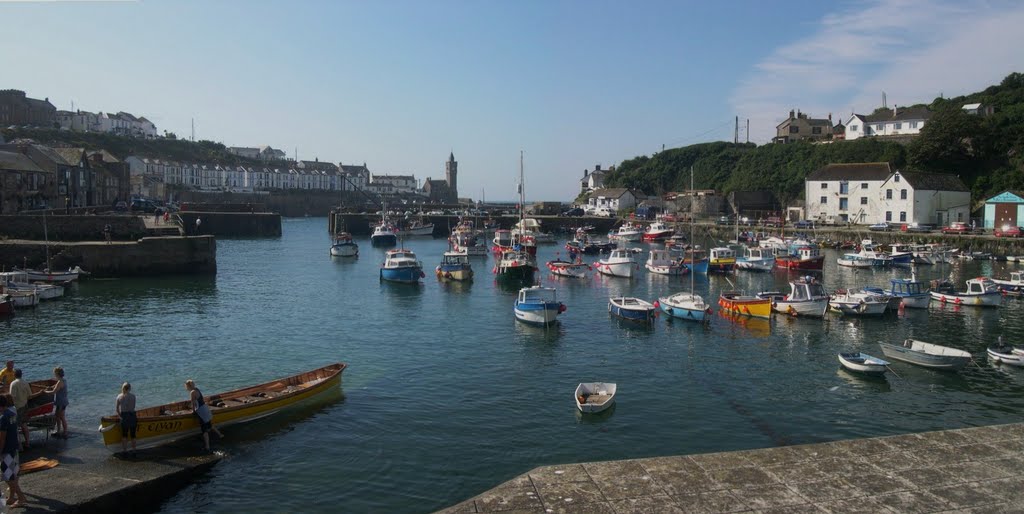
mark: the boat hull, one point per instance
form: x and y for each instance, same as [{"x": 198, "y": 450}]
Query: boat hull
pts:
[
  {"x": 643, "y": 314},
  {"x": 404, "y": 274},
  {"x": 991, "y": 299},
  {"x": 723, "y": 266},
  {"x": 1006, "y": 355},
  {"x": 521, "y": 272},
  {"x": 383, "y": 240},
  {"x": 615, "y": 269},
  {"x": 345, "y": 250},
  {"x": 806, "y": 308},
  {"x": 537, "y": 313},
  {"x": 851, "y": 308},
  {"x": 156, "y": 430},
  {"x": 595, "y": 397},
  {"x": 43, "y": 276},
  {"x": 812, "y": 264},
  {"x": 567, "y": 269},
  {"x": 755, "y": 264},
  {"x": 861, "y": 363},
  {"x": 681, "y": 311},
  {"x": 939, "y": 362},
  {"x": 672, "y": 270},
  {"x": 456, "y": 273},
  {"x": 918, "y": 301},
  {"x": 753, "y": 307},
  {"x": 700, "y": 266},
  {"x": 658, "y": 236}
]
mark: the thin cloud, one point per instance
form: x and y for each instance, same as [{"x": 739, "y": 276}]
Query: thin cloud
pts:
[{"x": 911, "y": 49}]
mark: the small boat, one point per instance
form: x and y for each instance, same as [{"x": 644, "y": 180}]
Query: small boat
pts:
[
  {"x": 537, "y": 305},
  {"x": 927, "y": 354},
  {"x": 722, "y": 260},
  {"x": 858, "y": 303},
  {"x": 807, "y": 297},
  {"x": 626, "y": 233},
  {"x": 562, "y": 268},
  {"x": 756, "y": 259},
  {"x": 582, "y": 244},
  {"x": 344, "y": 246},
  {"x": 695, "y": 260},
  {"x": 53, "y": 276},
  {"x": 515, "y": 265},
  {"x": 745, "y": 305},
  {"x": 163, "y": 424},
  {"x": 911, "y": 292},
  {"x": 981, "y": 292},
  {"x": 384, "y": 235},
  {"x": 6, "y": 305},
  {"x": 863, "y": 363},
  {"x": 1006, "y": 354},
  {"x": 854, "y": 260},
  {"x": 619, "y": 263},
  {"x": 416, "y": 228},
  {"x": 594, "y": 397},
  {"x": 454, "y": 266},
  {"x": 400, "y": 265},
  {"x": 685, "y": 305},
  {"x": 660, "y": 262},
  {"x": 631, "y": 309},
  {"x": 1012, "y": 287},
  {"x": 19, "y": 281},
  {"x": 502, "y": 241},
  {"x": 806, "y": 258},
  {"x": 22, "y": 299},
  {"x": 657, "y": 231}
]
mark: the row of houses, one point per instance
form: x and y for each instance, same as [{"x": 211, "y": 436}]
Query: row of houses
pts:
[
  {"x": 34, "y": 176},
  {"x": 121, "y": 123},
  {"x": 883, "y": 122}
]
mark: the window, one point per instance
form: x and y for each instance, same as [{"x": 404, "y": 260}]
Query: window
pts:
[
  {"x": 815, "y": 130},
  {"x": 888, "y": 215},
  {"x": 863, "y": 185},
  {"x": 853, "y": 128},
  {"x": 880, "y": 126},
  {"x": 888, "y": 194},
  {"x": 843, "y": 204},
  {"x": 793, "y": 129},
  {"x": 896, "y": 177},
  {"x": 903, "y": 194},
  {"x": 863, "y": 200},
  {"x": 903, "y": 216},
  {"x": 913, "y": 124},
  {"x": 824, "y": 185},
  {"x": 824, "y": 200},
  {"x": 844, "y": 188},
  {"x": 898, "y": 126}
]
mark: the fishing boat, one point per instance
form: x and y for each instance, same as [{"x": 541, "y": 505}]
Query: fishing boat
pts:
[
  {"x": 19, "y": 281},
  {"x": 913, "y": 293},
  {"x": 22, "y": 299},
  {"x": 745, "y": 305},
  {"x": 631, "y": 309},
  {"x": 582, "y": 244},
  {"x": 684, "y": 305},
  {"x": 660, "y": 262},
  {"x": 515, "y": 265},
  {"x": 1006, "y": 354},
  {"x": 981, "y": 292},
  {"x": 619, "y": 263},
  {"x": 416, "y": 228},
  {"x": 806, "y": 258},
  {"x": 163, "y": 424},
  {"x": 854, "y": 260},
  {"x": 400, "y": 265},
  {"x": 594, "y": 397},
  {"x": 927, "y": 354},
  {"x": 6, "y": 305},
  {"x": 722, "y": 260},
  {"x": 1012, "y": 287},
  {"x": 657, "y": 231},
  {"x": 529, "y": 230},
  {"x": 574, "y": 269},
  {"x": 677, "y": 242},
  {"x": 863, "y": 363},
  {"x": 755, "y": 259},
  {"x": 384, "y": 234},
  {"x": 454, "y": 266},
  {"x": 807, "y": 297},
  {"x": 626, "y": 233},
  {"x": 344, "y": 246},
  {"x": 465, "y": 238},
  {"x": 538, "y": 305},
  {"x": 858, "y": 303},
  {"x": 502, "y": 241},
  {"x": 695, "y": 259}
]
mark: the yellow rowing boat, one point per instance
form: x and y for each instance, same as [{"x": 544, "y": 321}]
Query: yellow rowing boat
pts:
[{"x": 166, "y": 423}]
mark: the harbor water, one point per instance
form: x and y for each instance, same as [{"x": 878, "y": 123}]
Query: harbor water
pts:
[{"x": 447, "y": 396}]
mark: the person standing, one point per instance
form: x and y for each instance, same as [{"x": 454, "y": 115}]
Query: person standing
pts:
[
  {"x": 7, "y": 375},
  {"x": 9, "y": 452},
  {"x": 20, "y": 391},
  {"x": 60, "y": 402},
  {"x": 125, "y": 408},
  {"x": 199, "y": 222},
  {"x": 200, "y": 409},
  {"x": 107, "y": 231}
]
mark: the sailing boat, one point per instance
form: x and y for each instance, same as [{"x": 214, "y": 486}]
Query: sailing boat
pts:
[
  {"x": 516, "y": 263},
  {"x": 685, "y": 305},
  {"x": 46, "y": 275}
]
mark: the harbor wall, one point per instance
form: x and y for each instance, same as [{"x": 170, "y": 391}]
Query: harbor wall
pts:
[
  {"x": 290, "y": 204},
  {"x": 360, "y": 224},
  {"x": 148, "y": 256},
  {"x": 233, "y": 224},
  {"x": 71, "y": 228}
]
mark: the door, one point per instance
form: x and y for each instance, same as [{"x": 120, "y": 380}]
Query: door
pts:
[{"x": 1006, "y": 214}]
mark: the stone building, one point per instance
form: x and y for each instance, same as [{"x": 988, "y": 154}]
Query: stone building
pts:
[
  {"x": 23, "y": 184},
  {"x": 18, "y": 109},
  {"x": 799, "y": 126},
  {"x": 451, "y": 175}
]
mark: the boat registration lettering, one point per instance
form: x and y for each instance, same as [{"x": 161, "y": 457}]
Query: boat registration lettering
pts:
[{"x": 162, "y": 426}]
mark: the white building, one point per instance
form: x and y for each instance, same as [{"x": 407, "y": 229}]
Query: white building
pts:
[
  {"x": 393, "y": 184},
  {"x": 866, "y": 193},
  {"x": 593, "y": 180},
  {"x": 263, "y": 153},
  {"x": 613, "y": 198},
  {"x": 888, "y": 122}
]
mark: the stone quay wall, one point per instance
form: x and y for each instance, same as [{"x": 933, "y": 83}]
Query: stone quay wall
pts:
[
  {"x": 233, "y": 224},
  {"x": 71, "y": 228},
  {"x": 148, "y": 256}
]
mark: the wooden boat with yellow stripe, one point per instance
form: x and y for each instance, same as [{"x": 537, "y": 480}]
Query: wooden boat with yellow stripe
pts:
[
  {"x": 738, "y": 303},
  {"x": 163, "y": 424}
]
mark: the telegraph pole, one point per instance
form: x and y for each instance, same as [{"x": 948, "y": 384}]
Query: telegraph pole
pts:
[
  {"x": 736, "y": 132},
  {"x": 748, "y": 130}
]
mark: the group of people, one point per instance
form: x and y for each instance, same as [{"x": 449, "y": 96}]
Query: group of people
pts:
[{"x": 124, "y": 406}]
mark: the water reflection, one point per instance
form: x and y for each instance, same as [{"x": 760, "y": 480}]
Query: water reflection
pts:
[
  {"x": 863, "y": 381},
  {"x": 596, "y": 418},
  {"x": 756, "y": 327}
]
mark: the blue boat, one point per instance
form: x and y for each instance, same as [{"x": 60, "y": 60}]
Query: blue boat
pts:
[
  {"x": 400, "y": 265},
  {"x": 696, "y": 261},
  {"x": 688, "y": 306},
  {"x": 631, "y": 309},
  {"x": 912, "y": 293},
  {"x": 537, "y": 305}
]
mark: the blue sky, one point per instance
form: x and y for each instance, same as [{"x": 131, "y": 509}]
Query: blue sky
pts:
[{"x": 399, "y": 84}]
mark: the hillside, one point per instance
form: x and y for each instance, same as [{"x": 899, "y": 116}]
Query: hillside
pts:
[{"x": 987, "y": 152}]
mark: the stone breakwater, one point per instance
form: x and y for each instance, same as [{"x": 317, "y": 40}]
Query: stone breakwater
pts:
[{"x": 148, "y": 256}]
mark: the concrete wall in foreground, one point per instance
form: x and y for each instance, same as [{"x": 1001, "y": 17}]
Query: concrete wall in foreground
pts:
[{"x": 149, "y": 256}]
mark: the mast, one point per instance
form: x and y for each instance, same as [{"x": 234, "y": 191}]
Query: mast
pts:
[
  {"x": 693, "y": 254},
  {"x": 522, "y": 193},
  {"x": 46, "y": 236}
]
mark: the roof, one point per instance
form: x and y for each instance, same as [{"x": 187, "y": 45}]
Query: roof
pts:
[
  {"x": 106, "y": 156},
  {"x": 612, "y": 192},
  {"x": 16, "y": 161},
  {"x": 923, "y": 181},
  {"x": 71, "y": 156},
  {"x": 39, "y": 104},
  {"x": 852, "y": 171},
  {"x": 902, "y": 114},
  {"x": 971, "y": 107}
]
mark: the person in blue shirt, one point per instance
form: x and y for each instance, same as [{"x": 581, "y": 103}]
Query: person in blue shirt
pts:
[{"x": 9, "y": 452}]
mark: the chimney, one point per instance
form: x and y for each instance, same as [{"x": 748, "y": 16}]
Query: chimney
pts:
[
  {"x": 829, "y": 118},
  {"x": 798, "y": 113},
  {"x": 895, "y": 110},
  {"x": 597, "y": 167},
  {"x": 791, "y": 114},
  {"x": 585, "y": 173}
]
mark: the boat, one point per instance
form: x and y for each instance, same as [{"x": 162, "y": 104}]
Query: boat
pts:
[
  {"x": 619, "y": 263},
  {"x": 465, "y": 238},
  {"x": 19, "y": 281},
  {"x": 626, "y": 233},
  {"x": 756, "y": 259},
  {"x": 981, "y": 292},
  {"x": 854, "y": 260},
  {"x": 684, "y": 305},
  {"x": 919, "y": 254},
  {"x": 657, "y": 231},
  {"x": 806, "y": 258},
  {"x": 170, "y": 422},
  {"x": 745, "y": 305},
  {"x": 48, "y": 274},
  {"x": 583, "y": 244},
  {"x": 927, "y": 354},
  {"x": 344, "y": 246},
  {"x": 722, "y": 260},
  {"x": 416, "y": 228},
  {"x": 660, "y": 262},
  {"x": 631, "y": 309},
  {"x": 863, "y": 363},
  {"x": 523, "y": 234},
  {"x": 384, "y": 234},
  {"x": 454, "y": 266},
  {"x": 400, "y": 265},
  {"x": 1006, "y": 354},
  {"x": 6, "y": 305},
  {"x": 528, "y": 230},
  {"x": 807, "y": 297},
  {"x": 574, "y": 269},
  {"x": 22, "y": 299},
  {"x": 858, "y": 303},
  {"x": 502, "y": 241},
  {"x": 594, "y": 397},
  {"x": 676, "y": 243},
  {"x": 695, "y": 260},
  {"x": 1012, "y": 287},
  {"x": 515, "y": 265},
  {"x": 913, "y": 293},
  {"x": 538, "y": 305}
]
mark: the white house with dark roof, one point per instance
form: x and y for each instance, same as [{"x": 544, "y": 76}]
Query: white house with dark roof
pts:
[
  {"x": 888, "y": 122},
  {"x": 593, "y": 180},
  {"x": 613, "y": 198},
  {"x": 865, "y": 193}
]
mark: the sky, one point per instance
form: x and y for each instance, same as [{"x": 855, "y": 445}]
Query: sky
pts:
[{"x": 398, "y": 84}]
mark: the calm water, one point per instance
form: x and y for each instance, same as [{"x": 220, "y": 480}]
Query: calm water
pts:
[{"x": 447, "y": 396}]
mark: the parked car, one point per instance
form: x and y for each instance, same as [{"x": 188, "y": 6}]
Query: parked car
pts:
[
  {"x": 604, "y": 212},
  {"x": 958, "y": 227},
  {"x": 880, "y": 227},
  {"x": 142, "y": 205},
  {"x": 804, "y": 224},
  {"x": 121, "y": 206},
  {"x": 667, "y": 217},
  {"x": 1008, "y": 231},
  {"x": 916, "y": 227},
  {"x": 574, "y": 212}
]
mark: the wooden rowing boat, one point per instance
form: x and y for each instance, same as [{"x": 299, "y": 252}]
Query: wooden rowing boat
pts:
[
  {"x": 40, "y": 402},
  {"x": 163, "y": 424}
]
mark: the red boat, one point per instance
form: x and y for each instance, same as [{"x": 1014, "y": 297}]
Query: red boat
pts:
[
  {"x": 806, "y": 258},
  {"x": 657, "y": 231},
  {"x": 40, "y": 403}
]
